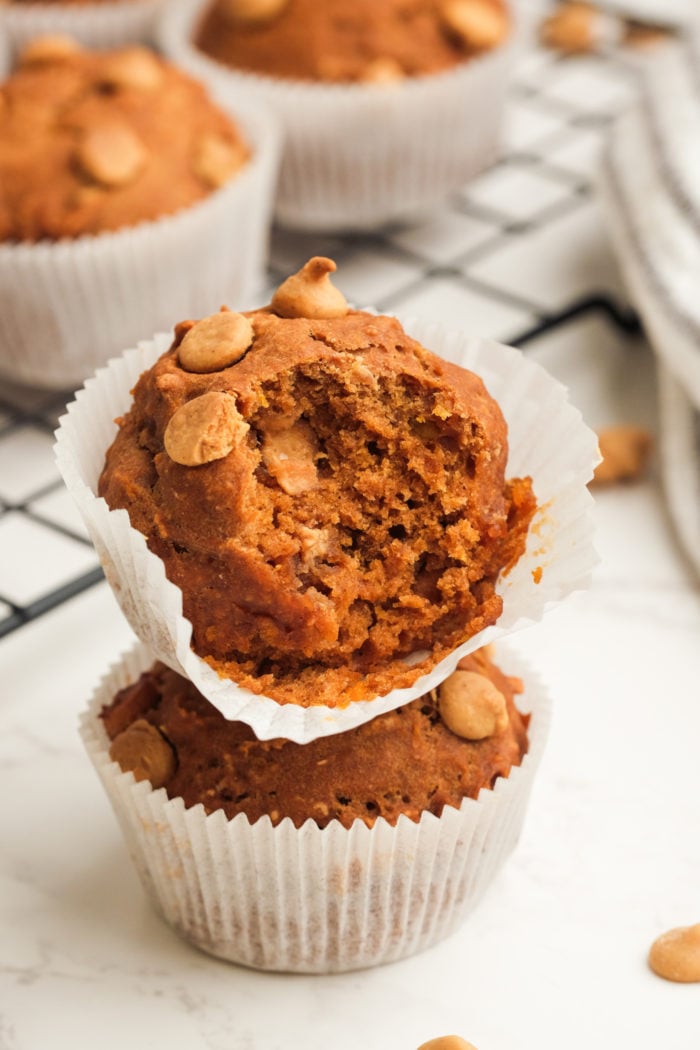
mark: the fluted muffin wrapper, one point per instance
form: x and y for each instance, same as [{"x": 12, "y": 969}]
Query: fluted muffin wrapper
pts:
[
  {"x": 357, "y": 156},
  {"x": 307, "y": 899},
  {"x": 99, "y": 25},
  {"x": 548, "y": 441},
  {"x": 69, "y": 305}
]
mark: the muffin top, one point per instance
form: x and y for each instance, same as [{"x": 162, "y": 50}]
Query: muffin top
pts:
[
  {"x": 96, "y": 141},
  {"x": 374, "y": 41},
  {"x": 329, "y": 495},
  {"x": 405, "y": 762}
]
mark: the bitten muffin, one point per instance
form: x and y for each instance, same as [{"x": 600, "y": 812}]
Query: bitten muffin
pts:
[
  {"x": 92, "y": 142},
  {"x": 408, "y": 761},
  {"x": 350, "y": 40},
  {"x": 329, "y": 495}
]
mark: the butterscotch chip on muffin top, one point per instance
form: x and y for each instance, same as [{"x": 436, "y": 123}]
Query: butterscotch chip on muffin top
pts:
[
  {"x": 405, "y": 762},
  {"x": 92, "y": 142},
  {"x": 329, "y": 496},
  {"x": 370, "y": 41}
]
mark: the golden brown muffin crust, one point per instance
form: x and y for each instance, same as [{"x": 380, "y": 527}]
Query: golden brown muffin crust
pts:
[
  {"x": 357, "y": 515},
  {"x": 344, "y": 40},
  {"x": 93, "y": 142},
  {"x": 405, "y": 761}
]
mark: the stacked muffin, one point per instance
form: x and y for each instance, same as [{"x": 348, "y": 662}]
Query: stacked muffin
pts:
[{"x": 321, "y": 772}]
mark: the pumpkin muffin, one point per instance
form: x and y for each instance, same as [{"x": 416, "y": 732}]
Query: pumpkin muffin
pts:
[
  {"x": 361, "y": 40},
  {"x": 323, "y": 857},
  {"x": 329, "y": 496},
  {"x": 431, "y": 753},
  {"x": 388, "y": 106},
  {"x": 87, "y": 143},
  {"x": 125, "y": 193}
]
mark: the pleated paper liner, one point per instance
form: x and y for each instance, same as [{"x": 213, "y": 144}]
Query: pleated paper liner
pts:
[
  {"x": 358, "y": 156},
  {"x": 69, "y": 305},
  {"x": 548, "y": 441},
  {"x": 310, "y": 899}
]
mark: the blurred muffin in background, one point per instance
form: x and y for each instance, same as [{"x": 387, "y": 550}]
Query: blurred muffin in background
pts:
[
  {"x": 95, "y": 23},
  {"x": 337, "y": 41},
  {"x": 387, "y": 106},
  {"x": 108, "y": 218}
]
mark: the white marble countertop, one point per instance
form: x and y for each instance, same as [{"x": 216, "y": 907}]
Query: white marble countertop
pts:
[{"x": 554, "y": 956}]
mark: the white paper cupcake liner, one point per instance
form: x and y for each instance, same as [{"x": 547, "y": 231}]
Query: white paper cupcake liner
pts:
[
  {"x": 547, "y": 439},
  {"x": 68, "y": 306},
  {"x": 308, "y": 899},
  {"x": 99, "y": 25},
  {"x": 359, "y": 156}
]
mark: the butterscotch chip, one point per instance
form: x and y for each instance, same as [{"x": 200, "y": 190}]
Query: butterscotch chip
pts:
[
  {"x": 625, "y": 451},
  {"x": 204, "y": 429},
  {"x": 111, "y": 155},
  {"x": 383, "y": 71},
  {"x": 216, "y": 159},
  {"x": 309, "y": 293},
  {"x": 675, "y": 955},
  {"x": 471, "y": 706},
  {"x": 215, "y": 342},
  {"x": 252, "y": 11},
  {"x": 290, "y": 456},
  {"x": 142, "y": 750},
  {"x": 447, "y": 1042},
  {"x": 571, "y": 28},
  {"x": 477, "y": 24},
  {"x": 50, "y": 48},
  {"x": 135, "y": 67}
]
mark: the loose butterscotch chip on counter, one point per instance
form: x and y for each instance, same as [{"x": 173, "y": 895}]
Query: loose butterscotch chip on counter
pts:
[
  {"x": 478, "y": 24},
  {"x": 215, "y": 342},
  {"x": 625, "y": 450},
  {"x": 142, "y": 750},
  {"x": 675, "y": 955},
  {"x": 111, "y": 154},
  {"x": 571, "y": 28},
  {"x": 310, "y": 293},
  {"x": 471, "y": 706},
  {"x": 204, "y": 429},
  {"x": 447, "y": 1042}
]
